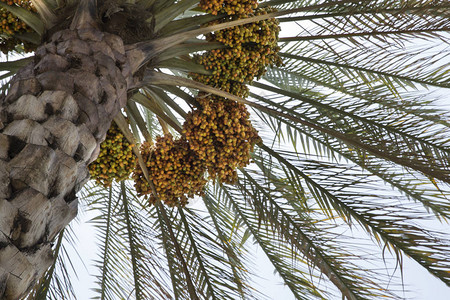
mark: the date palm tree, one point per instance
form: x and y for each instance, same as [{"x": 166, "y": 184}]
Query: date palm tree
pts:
[{"x": 353, "y": 161}]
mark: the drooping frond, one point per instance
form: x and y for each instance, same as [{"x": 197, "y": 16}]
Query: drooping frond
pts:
[
  {"x": 413, "y": 187},
  {"x": 281, "y": 256},
  {"x": 148, "y": 275},
  {"x": 227, "y": 225},
  {"x": 199, "y": 259},
  {"x": 57, "y": 281},
  {"x": 124, "y": 229},
  {"x": 396, "y": 138},
  {"x": 393, "y": 227},
  {"x": 112, "y": 259}
]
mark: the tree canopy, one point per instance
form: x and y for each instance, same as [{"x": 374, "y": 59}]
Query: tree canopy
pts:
[{"x": 327, "y": 143}]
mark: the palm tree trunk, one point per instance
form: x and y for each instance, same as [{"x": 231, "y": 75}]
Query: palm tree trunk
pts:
[{"x": 52, "y": 121}]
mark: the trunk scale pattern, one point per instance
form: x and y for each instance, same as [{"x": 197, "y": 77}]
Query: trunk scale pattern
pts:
[{"x": 52, "y": 121}]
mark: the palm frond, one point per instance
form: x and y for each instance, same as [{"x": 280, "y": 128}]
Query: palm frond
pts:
[
  {"x": 415, "y": 188},
  {"x": 164, "y": 16},
  {"x": 125, "y": 227},
  {"x": 392, "y": 227},
  {"x": 148, "y": 280},
  {"x": 57, "y": 281},
  {"x": 112, "y": 259},
  {"x": 226, "y": 224},
  {"x": 367, "y": 138},
  {"x": 285, "y": 262},
  {"x": 410, "y": 103},
  {"x": 46, "y": 11},
  {"x": 28, "y": 17},
  {"x": 182, "y": 280},
  {"x": 15, "y": 65}
]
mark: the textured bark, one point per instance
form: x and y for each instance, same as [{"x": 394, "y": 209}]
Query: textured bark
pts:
[{"x": 52, "y": 122}]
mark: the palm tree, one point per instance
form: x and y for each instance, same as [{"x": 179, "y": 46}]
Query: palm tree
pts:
[{"x": 352, "y": 140}]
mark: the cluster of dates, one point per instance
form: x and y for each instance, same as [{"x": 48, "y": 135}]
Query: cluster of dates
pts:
[
  {"x": 251, "y": 49},
  {"x": 221, "y": 135},
  {"x": 218, "y": 136},
  {"x": 11, "y": 27},
  {"x": 116, "y": 159},
  {"x": 220, "y": 131},
  {"x": 174, "y": 169},
  {"x": 230, "y": 7}
]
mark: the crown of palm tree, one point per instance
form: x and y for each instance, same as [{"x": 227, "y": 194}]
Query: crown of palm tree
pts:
[{"x": 352, "y": 143}]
